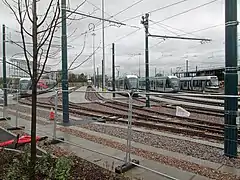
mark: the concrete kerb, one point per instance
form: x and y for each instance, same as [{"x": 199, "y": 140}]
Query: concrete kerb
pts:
[{"x": 127, "y": 165}]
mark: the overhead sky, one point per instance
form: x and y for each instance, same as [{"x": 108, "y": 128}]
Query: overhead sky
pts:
[{"x": 189, "y": 18}]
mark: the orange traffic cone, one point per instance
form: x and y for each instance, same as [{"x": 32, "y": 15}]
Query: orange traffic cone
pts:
[{"x": 51, "y": 115}]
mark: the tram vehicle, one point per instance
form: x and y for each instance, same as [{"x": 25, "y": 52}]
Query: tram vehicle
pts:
[
  {"x": 89, "y": 82},
  {"x": 25, "y": 85},
  {"x": 127, "y": 83},
  {"x": 199, "y": 83},
  {"x": 161, "y": 84},
  {"x": 13, "y": 83}
]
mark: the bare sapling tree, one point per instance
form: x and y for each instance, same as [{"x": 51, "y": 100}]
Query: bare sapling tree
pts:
[{"x": 40, "y": 29}]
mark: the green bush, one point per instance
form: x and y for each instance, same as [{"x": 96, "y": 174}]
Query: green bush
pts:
[{"x": 47, "y": 168}]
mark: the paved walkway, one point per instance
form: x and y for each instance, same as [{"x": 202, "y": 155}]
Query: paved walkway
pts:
[
  {"x": 77, "y": 96},
  {"x": 52, "y": 93},
  {"x": 108, "y": 162}
]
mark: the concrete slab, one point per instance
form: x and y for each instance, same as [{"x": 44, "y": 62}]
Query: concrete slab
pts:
[
  {"x": 198, "y": 177},
  {"x": 230, "y": 169},
  {"x": 108, "y": 94},
  {"x": 162, "y": 171},
  {"x": 78, "y": 97},
  {"x": 104, "y": 161},
  {"x": 5, "y": 136}
]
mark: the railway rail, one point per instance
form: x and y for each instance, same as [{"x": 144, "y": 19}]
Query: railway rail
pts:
[
  {"x": 192, "y": 109},
  {"x": 116, "y": 111}
]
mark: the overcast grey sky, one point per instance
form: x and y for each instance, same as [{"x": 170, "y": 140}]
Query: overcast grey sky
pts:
[{"x": 164, "y": 55}]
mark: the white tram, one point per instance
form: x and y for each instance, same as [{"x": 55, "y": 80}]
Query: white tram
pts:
[
  {"x": 25, "y": 85},
  {"x": 199, "y": 83},
  {"x": 161, "y": 84}
]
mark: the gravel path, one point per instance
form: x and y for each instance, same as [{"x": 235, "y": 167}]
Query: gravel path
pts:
[{"x": 176, "y": 145}]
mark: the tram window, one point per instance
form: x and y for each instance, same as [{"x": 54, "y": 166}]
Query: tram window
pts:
[
  {"x": 161, "y": 83},
  {"x": 157, "y": 83},
  {"x": 121, "y": 83},
  {"x": 167, "y": 83},
  {"x": 196, "y": 83},
  {"x": 152, "y": 84},
  {"x": 208, "y": 83}
]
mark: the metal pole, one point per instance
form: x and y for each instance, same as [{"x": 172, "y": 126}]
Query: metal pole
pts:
[
  {"x": 102, "y": 75},
  {"x": 65, "y": 97},
  {"x": 4, "y": 66},
  {"x": 139, "y": 69},
  {"x": 230, "y": 79},
  {"x": 113, "y": 69},
  {"x": 55, "y": 118},
  {"x": 103, "y": 44},
  {"x": 146, "y": 25},
  {"x": 196, "y": 70},
  {"x": 155, "y": 71},
  {"x": 97, "y": 77},
  {"x": 16, "y": 123},
  {"x": 94, "y": 63},
  {"x": 129, "y": 128},
  {"x": 186, "y": 67}
]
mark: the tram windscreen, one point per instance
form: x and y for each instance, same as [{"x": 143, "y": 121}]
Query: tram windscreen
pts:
[
  {"x": 175, "y": 82},
  {"x": 133, "y": 83},
  {"x": 24, "y": 84},
  {"x": 214, "y": 81}
]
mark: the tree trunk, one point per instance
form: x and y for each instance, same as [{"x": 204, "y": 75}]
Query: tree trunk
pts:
[{"x": 34, "y": 91}]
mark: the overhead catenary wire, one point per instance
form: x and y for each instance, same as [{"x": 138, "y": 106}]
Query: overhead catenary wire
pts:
[
  {"x": 175, "y": 15},
  {"x": 186, "y": 11},
  {"x": 155, "y": 10}
]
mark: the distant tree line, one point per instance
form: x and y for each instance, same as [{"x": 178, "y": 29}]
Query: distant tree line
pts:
[{"x": 73, "y": 77}]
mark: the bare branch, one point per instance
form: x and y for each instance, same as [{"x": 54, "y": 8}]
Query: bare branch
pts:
[
  {"x": 23, "y": 39},
  {"x": 52, "y": 24},
  {"x": 84, "y": 60},
  {"x": 56, "y": 17},
  {"x": 72, "y": 12},
  {"x": 27, "y": 9},
  {"x": 17, "y": 44},
  {"x": 80, "y": 52},
  {"x": 17, "y": 66},
  {"x": 13, "y": 11},
  {"x": 46, "y": 14}
]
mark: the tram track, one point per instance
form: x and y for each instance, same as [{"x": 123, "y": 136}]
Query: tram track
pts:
[
  {"x": 190, "y": 108},
  {"x": 113, "y": 111},
  {"x": 196, "y": 124}
]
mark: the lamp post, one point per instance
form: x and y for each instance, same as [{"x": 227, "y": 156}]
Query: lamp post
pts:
[{"x": 94, "y": 63}]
